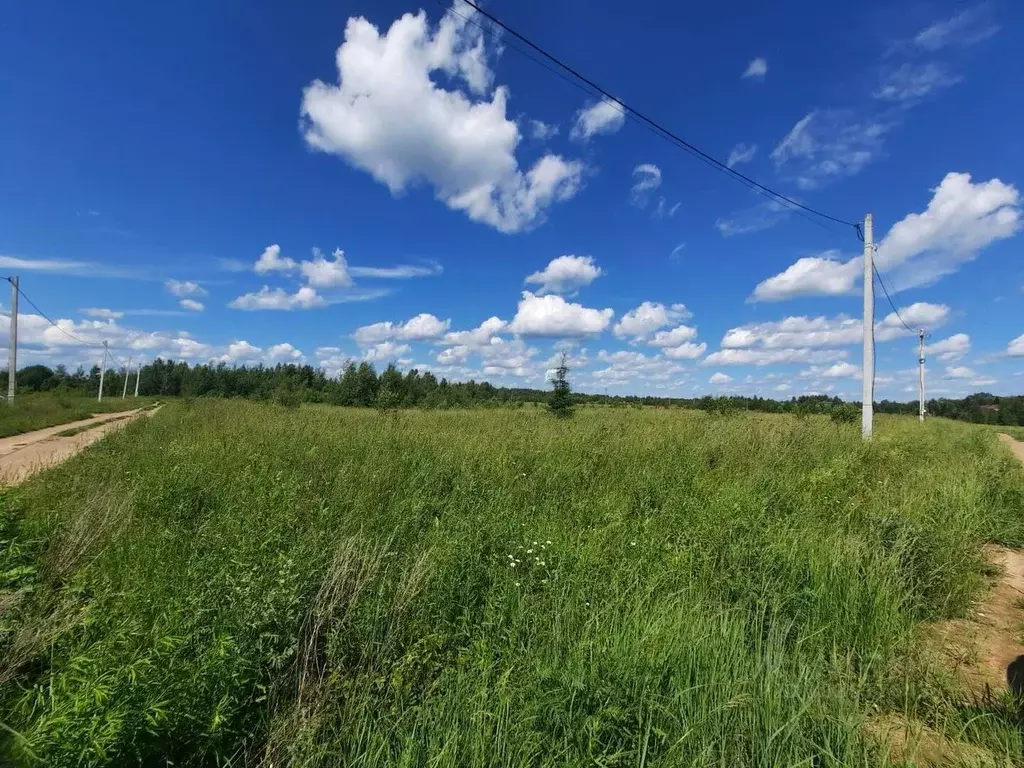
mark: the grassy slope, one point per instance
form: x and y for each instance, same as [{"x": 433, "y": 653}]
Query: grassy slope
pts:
[
  {"x": 37, "y": 411},
  {"x": 233, "y": 579}
]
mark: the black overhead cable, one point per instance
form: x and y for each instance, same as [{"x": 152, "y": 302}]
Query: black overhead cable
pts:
[
  {"x": 891, "y": 304},
  {"x": 651, "y": 124},
  {"x": 51, "y": 322}
]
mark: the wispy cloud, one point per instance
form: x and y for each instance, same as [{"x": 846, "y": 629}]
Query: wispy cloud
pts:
[
  {"x": 963, "y": 30},
  {"x": 741, "y": 153},
  {"x": 832, "y": 143},
  {"x": 400, "y": 272},
  {"x": 71, "y": 267},
  {"x": 759, "y": 217},
  {"x": 829, "y": 144},
  {"x": 756, "y": 69},
  {"x": 231, "y": 265},
  {"x": 908, "y": 82}
]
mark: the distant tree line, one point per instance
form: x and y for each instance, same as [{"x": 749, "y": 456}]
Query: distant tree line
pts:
[{"x": 359, "y": 384}]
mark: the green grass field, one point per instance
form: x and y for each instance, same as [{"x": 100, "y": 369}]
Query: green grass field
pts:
[
  {"x": 239, "y": 584},
  {"x": 48, "y": 409}
]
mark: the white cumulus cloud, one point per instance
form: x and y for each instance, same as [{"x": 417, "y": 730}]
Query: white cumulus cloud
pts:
[
  {"x": 191, "y": 305},
  {"x": 639, "y": 323},
  {"x": 565, "y": 274},
  {"x": 422, "y": 327},
  {"x": 824, "y": 275},
  {"x": 674, "y": 337},
  {"x": 272, "y": 261},
  {"x": 605, "y": 116},
  {"x": 552, "y": 315},
  {"x": 1016, "y": 347},
  {"x": 386, "y": 351},
  {"x": 416, "y": 105},
  {"x": 720, "y": 378},
  {"x": 278, "y": 298},
  {"x": 326, "y": 273},
  {"x": 960, "y": 372},
  {"x": 185, "y": 288},
  {"x": 285, "y": 352},
  {"x": 479, "y": 336},
  {"x": 685, "y": 351},
  {"x": 950, "y": 349},
  {"x": 961, "y": 220}
]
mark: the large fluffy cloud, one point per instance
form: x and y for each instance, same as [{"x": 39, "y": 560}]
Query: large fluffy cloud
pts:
[
  {"x": 416, "y": 105},
  {"x": 961, "y": 220},
  {"x": 824, "y": 275},
  {"x": 552, "y": 315}
]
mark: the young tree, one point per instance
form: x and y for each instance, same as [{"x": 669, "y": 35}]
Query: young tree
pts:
[{"x": 560, "y": 404}]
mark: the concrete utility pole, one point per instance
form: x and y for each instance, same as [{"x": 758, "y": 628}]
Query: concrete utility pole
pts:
[
  {"x": 868, "y": 394},
  {"x": 920, "y": 376},
  {"x": 12, "y": 342},
  {"x": 103, "y": 370},
  {"x": 127, "y": 370},
  {"x": 138, "y": 375}
]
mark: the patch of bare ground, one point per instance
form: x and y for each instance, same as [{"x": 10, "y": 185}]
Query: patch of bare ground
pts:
[{"x": 985, "y": 657}]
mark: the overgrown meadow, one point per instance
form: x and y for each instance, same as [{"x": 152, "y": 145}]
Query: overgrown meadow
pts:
[{"x": 231, "y": 583}]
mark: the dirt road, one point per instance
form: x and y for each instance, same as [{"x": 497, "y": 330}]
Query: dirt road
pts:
[
  {"x": 1015, "y": 445},
  {"x": 23, "y": 455}
]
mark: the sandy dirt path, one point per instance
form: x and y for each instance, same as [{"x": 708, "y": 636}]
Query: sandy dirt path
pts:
[
  {"x": 1015, "y": 445},
  {"x": 991, "y": 637},
  {"x": 22, "y": 456},
  {"x": 14, "y": 443},
  {"x": 983, "y": 651}
]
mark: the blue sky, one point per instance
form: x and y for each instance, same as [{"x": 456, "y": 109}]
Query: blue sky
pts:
[{"x": 255, "y": 182}]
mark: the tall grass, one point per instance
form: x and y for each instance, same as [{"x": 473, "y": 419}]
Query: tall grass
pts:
[
  {"x": 48, "y": 409},
  {"x": 241, "y": 584}
]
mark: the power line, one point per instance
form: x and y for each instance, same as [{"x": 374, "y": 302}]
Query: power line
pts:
[
  {"x": 891, "y": 304},
  {"x": 650, "y": 125},
  {"x": 657, "y": 127},
  {"x": 50, "y": 321}
]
